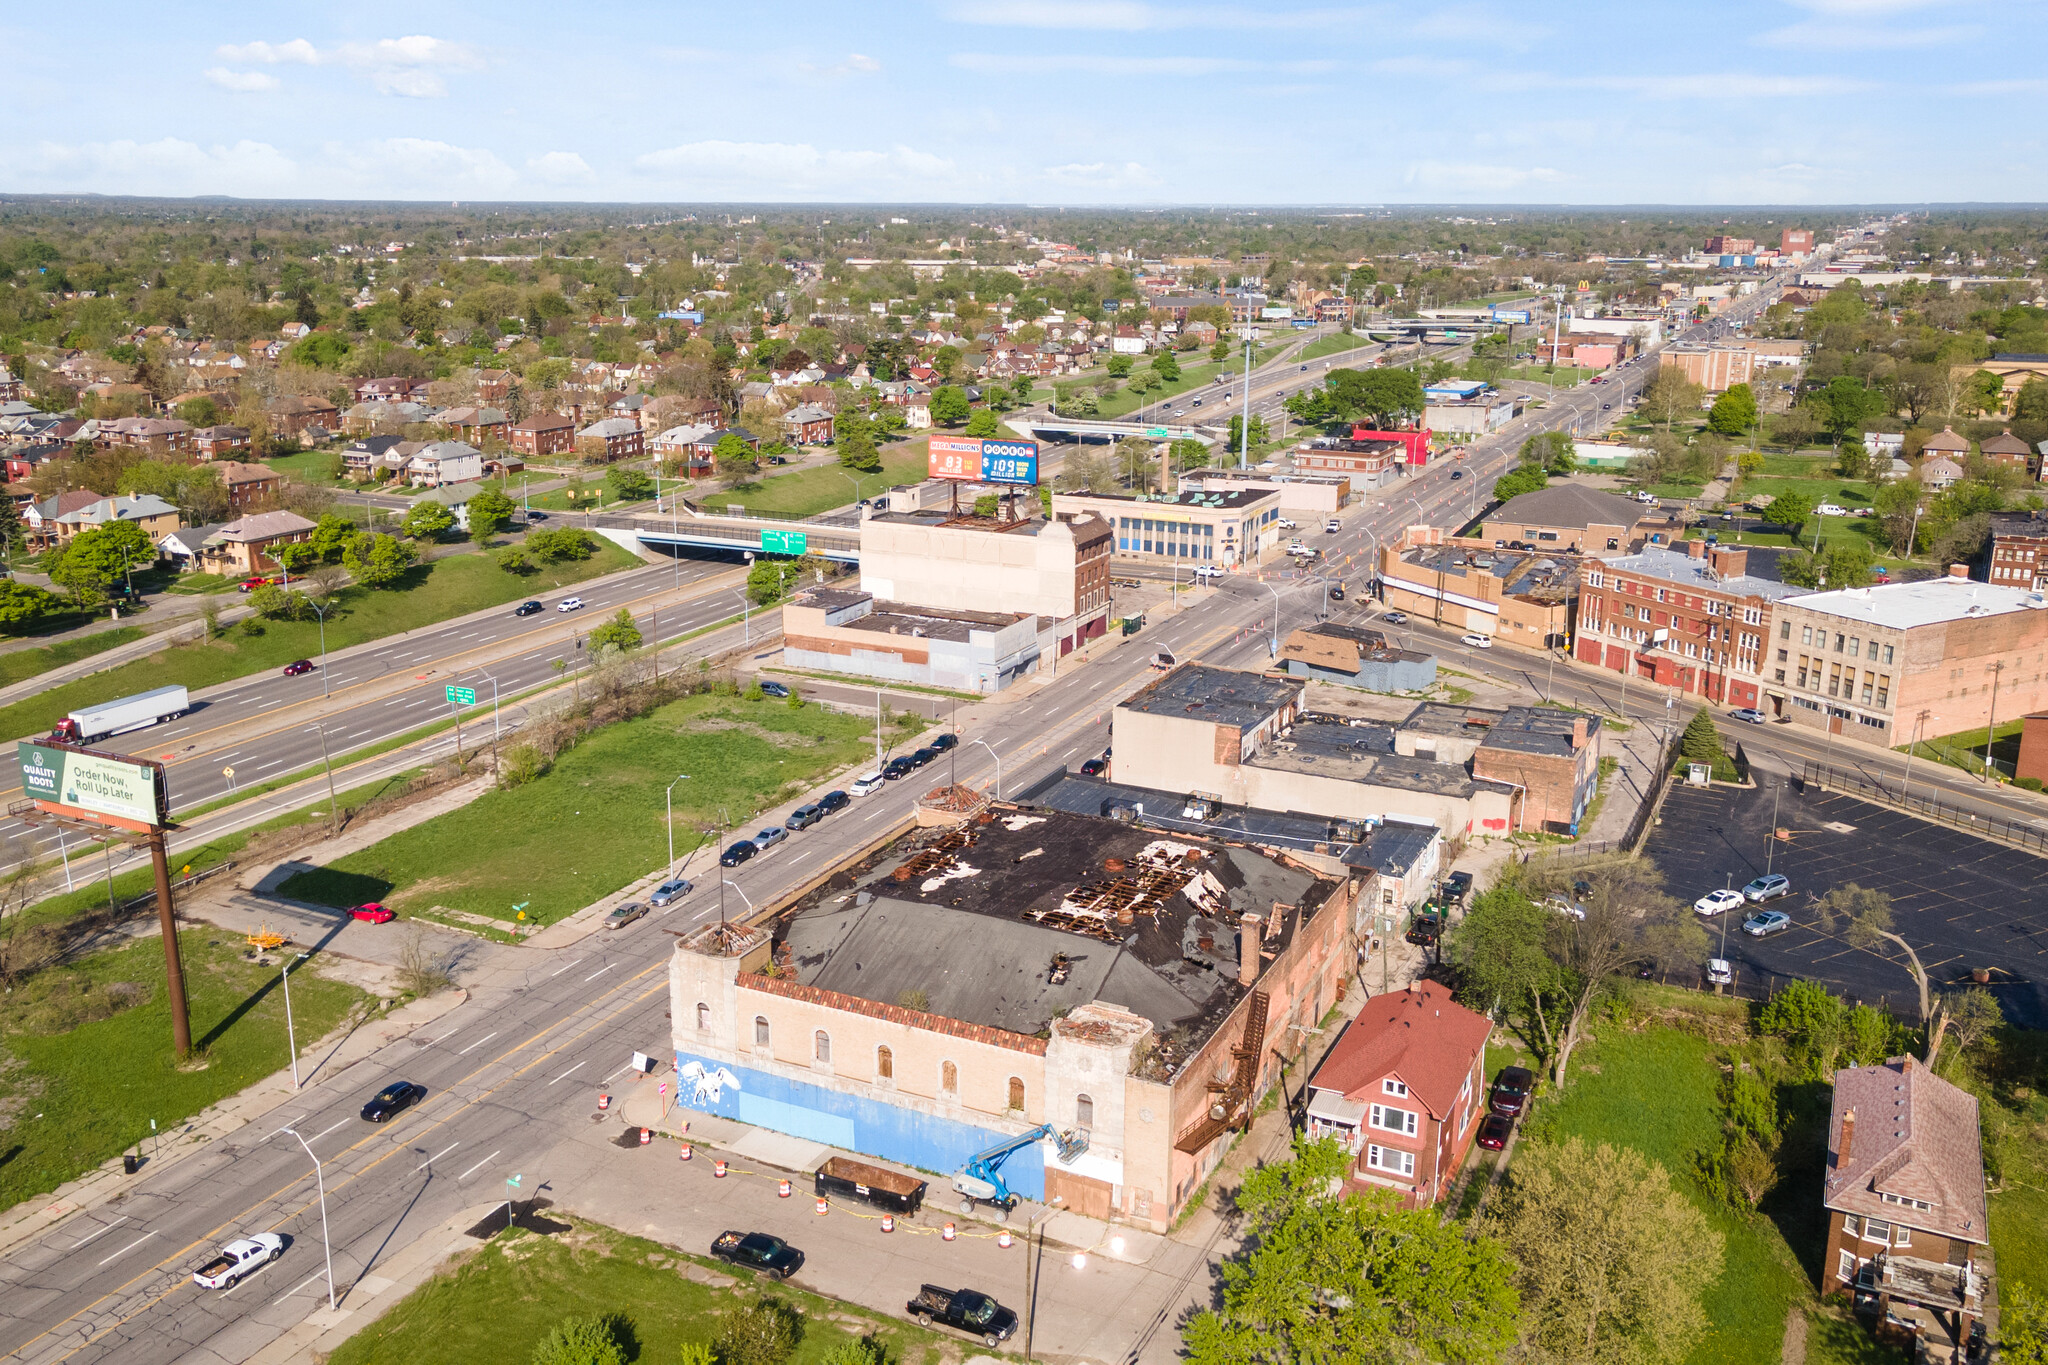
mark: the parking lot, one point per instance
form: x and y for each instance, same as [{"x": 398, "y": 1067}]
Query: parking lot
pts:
[{"x": 1962, "y": 902}]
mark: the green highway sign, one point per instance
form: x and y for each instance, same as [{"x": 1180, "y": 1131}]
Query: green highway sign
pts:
[
  {"x": 784, "y": 542},
  {"x": 1156, "y": 431},
  {"x": 462, "y": 696}
]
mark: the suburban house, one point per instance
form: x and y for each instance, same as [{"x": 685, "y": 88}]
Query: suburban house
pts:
[
  {"x": 1403, "y": 1090},
  {"x": 182, "y": 547},
  {"x": 1904, "y": 1192},
  {"x": 210, "y": 443},
  {"x": 392, "y": 389},
  {"x": 248, "y": 484},
  {"x": 684, "y": 445},
  {"x": 1948, "y": 445},
  {"x": 494, "y": 386},
  {"x": 244, "y": 545},
  {"x": 384, "y": 415},
  {"x": 143, "y": 432},
  {"x": 2008, "y": 449},
  {"x": 542, "y": 434},
  {"x": 617, "y": 438},
  {"x": 360, "y": 459},
  {"x": 156, "y": 517},
  {"x": 292, "y": 413},
  {"x": 455, "y": 497},
  {"x": 444, "y": 462},
  {"x": 807, "y": 425},
  {"x": 475, "y": 424},
  {"x": 40, "y": 520}
]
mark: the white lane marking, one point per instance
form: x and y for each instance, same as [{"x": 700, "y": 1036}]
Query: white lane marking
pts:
[
  {"x": 566, "y": 1074},
  {"x": 130, "y": 1247},
  {"x": 478, "y": 1043},
  {"x": 479, "y": 1165},
  {"x": 396, "y": 701},
  {"x": 103, "y": 1231},
  {"x": 435, "y": 1157},
  {"x": 324, "y": 1132},
  {"x": 801, "y": 856},
  {"x": 278, "y": 764},
  {"x": 297, "y": 1287},
  {"x": 600, "y": 972},
  {"x": 421, "y": 702},
  {"x": 621, "y": 1071},
  {"x": 444, "y": 1037},
  {"x": 872, "y": 814},
  {"x": 563, "y": 968}
]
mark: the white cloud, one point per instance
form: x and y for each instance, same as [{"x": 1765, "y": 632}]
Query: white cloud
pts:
[
  {"x": 1740, "y": 85},
  {"x": 243, "y": 82},
  {"x": 297, "y": 50},
  {"x": 408, "y": 66},
  {"x": 855, "y": 64},
  {"x": 1483, "y": 182},
  {"x": 410, "y": 84},
  {"x": 713, "y": 166},
  {"x": 1866, "y": 9},
  {"x": 1131, "y": 16},
  {"x": 1105, "y": 64},
  {"x": 422, "y": 167},
  {"x": 1101, "y": 175},
  {"x": 561, "y": 168},
  {"x": 1865, "y": 37},
  {"x": 169, "y": 166}
]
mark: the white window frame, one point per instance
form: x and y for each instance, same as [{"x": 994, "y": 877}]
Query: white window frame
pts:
[
  {"x": 1403, "y": 1121},
  {"x": 1877, "y": 1230},
  {"x": 1902, "y": 1236},
  {"x": 1845, "y": 1266},
  {"x": 1376, "y": 1158},
  {"x": 1390, "y": 1086}
]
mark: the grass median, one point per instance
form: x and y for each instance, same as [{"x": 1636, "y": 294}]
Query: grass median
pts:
[
  {"x": 87, "y": 1060},
  {"x": 596, "y": 820},
  {"x": 22, "y": 664},
  {"x": 450, "y": 587},
  {"x": 498, "y": 1304}
]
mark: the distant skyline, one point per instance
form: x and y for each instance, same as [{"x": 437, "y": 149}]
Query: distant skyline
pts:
[{"x": 1082, "y": 102}]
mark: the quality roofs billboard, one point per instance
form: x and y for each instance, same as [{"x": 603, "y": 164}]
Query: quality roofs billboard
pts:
[{"x": 114, "y": 790}]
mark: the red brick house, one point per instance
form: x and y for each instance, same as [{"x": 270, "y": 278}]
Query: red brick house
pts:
[
  {"x": 1904, "y": 1192},
  {"x": 544, "y": 433},
  {"x": 210, "y": 443},
  {"x": 808, "y": 425},
  {"x": 248, "y": 484},
  {"x": 141, "y": 432},
  {"x": 2008, "y": 449},
  {"x": 292, "y": 413},
  {"x": 474, "y": 425},
  {"x": 1403, "y": 1089},
  {"x": 391, "y": 389},
  {"x": 493, "y": 386}
]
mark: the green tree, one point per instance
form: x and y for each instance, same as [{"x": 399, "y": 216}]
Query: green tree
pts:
[
  {"x": 200, "y": 412},
  {"x": 1844, "y": 564},
  {"x": 1385, "y": 397},
  {"x": 769, "y": 579},
  {"x": 1749, "y": 463},
  {"x": 95, "y": 560},
  {"x": 377, "y": 560},
  {"x": 629, "y": 484},
  {"x": 1021, "y": 386},
  {"x": 855, "y": 437},
  {"x": 946, "y": 360},
  {"x": 618, "y": 632},
  {"x": 1235, "y": 444},
  {"x": 1791, "y": 511},
  {"x": 1118, "y": 366},
  {"x": 600, "y": 1340},
  {"x": 331, "y": 536},
  {"x": 1845, "y": 405},
  {"x": 1701, "y": 742},
  {"x": 22, "y": 605},
  {"x": 513, "y": 559},
  {"x": 987, "y": 505},
  {"x": 732, "y": 455},
  {"x": 1669, "y": 395},
  {"x": 1865, "y": 915},
  {"x": 1516, "y": 482},
  {"x": 949, "y": 405},
  {"x": 1613, "y": 1258},
  {"x": 427, "y": 520},
  {"x": 1549, "y": 451},
  {"x": 1333, "y": 1275},
  {"x": 1220, "y": 352},
  {"x": 297, "y": 557},
  {"x": 490, "y": 512},
  {"x": 1734, "y": 412},
  {"x": 560, "y": 546},
  {"x": 1167, "y": 366},
  {"x": 1982, "y": 392},
  {"x": 2022, "y": 1325},
  {"x": 981, "y": 422},
  {"x": 763, "y": 1333}
]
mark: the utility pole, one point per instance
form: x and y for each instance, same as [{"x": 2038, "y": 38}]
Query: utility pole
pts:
[
  {"x": 1244, "y": 445},
  {"x": 1906, "y": 788},
  {"x": 1991, "y": 721},
  {"x": 333, "y": 804},
  {"x": 174, "y": 966}
]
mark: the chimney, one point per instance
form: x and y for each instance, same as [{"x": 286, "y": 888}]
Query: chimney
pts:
[
  {"x": 1729, "y": 562},
  {"x": 1248, "y": 950},
  {"x": 1578, "y": 732},
  {"x": 1848, "y": 1136},
  {"x": 1958, "y": 571},
  {"x": 1696, "y": 549}
]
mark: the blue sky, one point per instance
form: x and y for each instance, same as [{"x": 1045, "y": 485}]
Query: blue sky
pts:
[{"x": 1042, "y": 101}]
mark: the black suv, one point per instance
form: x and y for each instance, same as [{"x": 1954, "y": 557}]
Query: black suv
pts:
[
  {"x": 738, "y": 853},
  {"x": 392, "y": 1100},
  {"x": 898, "y": 767},
  {"x": 946, "y": 741},
  {"x": 832, "y": 801},
  {"x": 527, "y": 609}
]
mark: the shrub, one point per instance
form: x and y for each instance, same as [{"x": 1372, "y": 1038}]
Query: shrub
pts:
[
  {"x": 2032, "y": 784},
  {"x": 764, "y": 1333},
  {"x": 602, "y": 1340}
]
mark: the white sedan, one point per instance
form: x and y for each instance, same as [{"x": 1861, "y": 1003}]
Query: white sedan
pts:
[{"x": 1719, "y": 902}]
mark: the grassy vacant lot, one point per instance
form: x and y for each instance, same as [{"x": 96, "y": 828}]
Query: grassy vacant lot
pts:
[
  {"x": 449, "y": 587},
  {"x": 807, "y": 492},
  {"x": 22, "y": 664},
  {"x": 87, "y": 1061},
  {"x": 498, "y": 1304},
  {"x": 1966, "y": 750},
  {"x": 308, "y": 466},
  {"x": 595, "y": 821}
]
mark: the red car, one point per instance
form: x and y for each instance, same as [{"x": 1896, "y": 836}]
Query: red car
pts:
[
  {"x": 373, "y": 913},
  {"x": 251, "y": 584},
  {"x": 298, "y": 666},
  {"x": 1494, "y": 1133}
]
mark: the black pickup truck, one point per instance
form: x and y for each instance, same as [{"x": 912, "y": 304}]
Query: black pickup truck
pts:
[
  {"x": 758, "y": 1251},
  {"x": 969, "y": 1310}
]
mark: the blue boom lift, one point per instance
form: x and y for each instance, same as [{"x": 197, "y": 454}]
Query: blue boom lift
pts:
[{"x": 982, "y": 1177}]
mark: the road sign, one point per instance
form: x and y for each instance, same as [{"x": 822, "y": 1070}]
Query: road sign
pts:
[
  {"x": 1156, "y": 432},
  {"x": 462, "y": 696},
  {"x": 513, "y": 1180},
  {"x": 785, "y": 542},
  {"x": 227, "y": 772}
]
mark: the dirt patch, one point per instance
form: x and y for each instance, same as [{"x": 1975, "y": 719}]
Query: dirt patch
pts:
[{"x": 1795, "y": 1337}]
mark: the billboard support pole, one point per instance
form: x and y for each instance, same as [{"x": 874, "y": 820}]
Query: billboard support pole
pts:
[{"x": 174, "y": 966}]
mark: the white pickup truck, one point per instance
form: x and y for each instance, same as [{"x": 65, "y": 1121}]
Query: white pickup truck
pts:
[{"x": 237, "y": 1259}]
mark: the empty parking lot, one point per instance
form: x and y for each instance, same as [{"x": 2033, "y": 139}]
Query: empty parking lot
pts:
[{"x": 1962, "y": 902}]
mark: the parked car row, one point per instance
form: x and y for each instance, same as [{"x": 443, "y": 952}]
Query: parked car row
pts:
[
  {"x": 969, "y": 1310},
  {"x": 1506, "y": 1103},
  {"x": 1768, "y": 887}
]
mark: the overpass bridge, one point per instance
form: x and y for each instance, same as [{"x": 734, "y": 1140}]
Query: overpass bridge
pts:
[
  {"x": 1092, "y": 432},
  {"x": 689, "y": 528}
]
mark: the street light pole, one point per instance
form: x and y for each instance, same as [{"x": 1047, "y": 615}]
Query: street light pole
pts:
[
  {"x": 325, "y": 1243},
  {"x": 321, "y": 612},
  {"x": 291, "y": 1034},
  {"x": 670, "y": 797},
  {"x": 999, "y": 765},
  {"x": 1906, "y": 789}
]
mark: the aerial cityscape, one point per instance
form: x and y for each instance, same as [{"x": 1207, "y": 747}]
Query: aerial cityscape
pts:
[{"x": 1103, "y": 684}]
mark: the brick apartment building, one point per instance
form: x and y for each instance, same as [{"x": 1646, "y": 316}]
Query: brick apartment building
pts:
[
  {"x": 543, "y": 433},
  {"x": 1715, "y": 368},
  {"x": 1902, "y": 660},
  {"x": 1697, "y": 621},
  {"x": 1367, "y": 463},
  {"x": 2019, "y": 550},
  {"x": 1730, "y": 246}
]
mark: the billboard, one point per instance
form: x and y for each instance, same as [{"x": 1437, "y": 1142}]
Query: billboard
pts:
[
  {"x": 1511, "y": 315},
  {"x": 974, "y": 460},
  {"x": 115, "y": 790}
]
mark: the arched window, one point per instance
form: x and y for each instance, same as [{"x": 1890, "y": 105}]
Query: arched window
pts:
[
  {"x": 703, "y": 1015},
  {"x": 885, "y": 1064},
  {"x": 760, "y": 1030},
  {"x": 821, "y": 1047},
  {"x": 1017, "y": 1092},
  {"x": 1084, "y": 1112},
  {"x": 949, "y": 1079}
]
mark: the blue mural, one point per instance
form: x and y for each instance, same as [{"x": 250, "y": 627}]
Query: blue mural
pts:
[{"x": 854, "y": 1122}]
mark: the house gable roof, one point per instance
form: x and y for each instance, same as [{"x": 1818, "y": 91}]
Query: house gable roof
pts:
[
  {"x": 1419, "y": 1036},
  {"x": 1913, "y": 1136},
  {"x": 1568, "y": 505}
]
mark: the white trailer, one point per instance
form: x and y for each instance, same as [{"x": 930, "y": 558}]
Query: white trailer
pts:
[{"x": 91, "y": 723}]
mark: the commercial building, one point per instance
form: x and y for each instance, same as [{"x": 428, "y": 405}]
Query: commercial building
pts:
[
  {"x": 1055, "y": 570},
  {"x": 1645, "y": 332},
  {"x": 1402, "y": 1090},
  {"x": 1193, "y": 528},
  {"x": 2013, "y": 369},
  {"x": 1909, "y": 660},
  {"x": 1904, "y": 1194},
  {"x": 1137, "y": 992},
  {"x": 1355, "y": 657},
  {"x": 1796, "y": 243},
  {"x": 1518, "y": 597},
  {"x": 834, "y": 630},
  {"x": 1696, "y": 620},
  {"x": 1550, "y": 756},
  {"x": 1243, "y": 739},
  {"x": 1317, "y": 495},
  {"x": 2019, "y": 550},
  {"x": 1469, "y": 417},
  {"x": 1715, "y": 368},
  {"x": 1731, "y": 246},
  {"x": 1570, "y": 516},
  {"x": 1364, "y": 464}
]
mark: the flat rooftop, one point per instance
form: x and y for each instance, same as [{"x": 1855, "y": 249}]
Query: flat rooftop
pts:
[
  {"x": 1363, "y": 754},
  {"x": 1010, "y": 923},
  {"x": 964, "y": 521},
  {"x": 1221, "y": 696},
  {"x": 1932, "y": 601},
  {"x": 1228, "y": 500},
  {"x": 1673, "y": 567},
  {"x": 1523, "y": 573}
]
